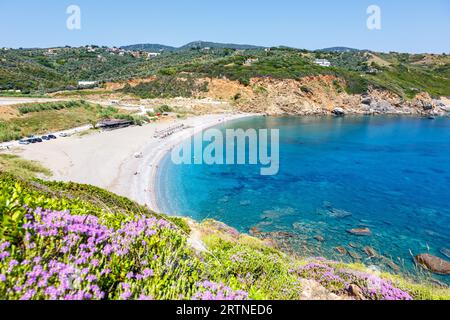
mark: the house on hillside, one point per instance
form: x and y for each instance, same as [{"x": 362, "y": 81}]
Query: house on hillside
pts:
[
  {"x": 250, "y": 61},
  {"x": 323, "y": 63},
  {"x": 87, "y": 84},
  {"x": 153, "y": 54},
  {"x": 50, "y": 52}
]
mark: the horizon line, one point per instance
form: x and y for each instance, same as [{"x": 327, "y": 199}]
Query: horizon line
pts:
[{"x": 223, "y": 43}]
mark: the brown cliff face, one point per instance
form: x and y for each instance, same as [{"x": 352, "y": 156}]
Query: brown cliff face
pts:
[{"x": 315, "y": 95}]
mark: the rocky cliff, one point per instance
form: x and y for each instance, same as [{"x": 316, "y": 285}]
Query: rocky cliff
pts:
[{"x": 319, "y": 95}]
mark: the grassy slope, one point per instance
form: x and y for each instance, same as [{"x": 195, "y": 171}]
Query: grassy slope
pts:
[
  {"x": 239, "y": 261},
  {"x": 21, "y": 167}
]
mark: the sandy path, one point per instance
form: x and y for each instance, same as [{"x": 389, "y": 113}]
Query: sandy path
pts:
[{"x": 108, "y": 159}]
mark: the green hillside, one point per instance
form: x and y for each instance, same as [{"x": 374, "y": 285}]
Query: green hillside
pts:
[{"x": 46, "y": 70}]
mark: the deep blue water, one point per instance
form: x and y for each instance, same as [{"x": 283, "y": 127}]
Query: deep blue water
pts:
[{"x": 391, "y": 174}]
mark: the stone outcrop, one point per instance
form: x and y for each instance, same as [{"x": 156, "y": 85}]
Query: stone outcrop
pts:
[
  {"x": 433, "y": 264},
  {"x": 356, "y": 291},
  {"x": 339, "y": 112},
  {"x": 312, "y": 290},
  {"x": 371, "y": 253},
  {"x": 318, "y": 95}
]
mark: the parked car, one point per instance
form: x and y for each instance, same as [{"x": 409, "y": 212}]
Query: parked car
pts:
[
  {"x": 46, "y": 138},
  {"x": 38, "y": 140},
  {"x": 63, "y": 135},
  {"x": 52, "y": 137}
]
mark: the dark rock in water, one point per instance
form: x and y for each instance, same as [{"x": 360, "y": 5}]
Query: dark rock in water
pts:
[
  {"x": 356, "y": 291},
  {"x": 319, "y": 238},
  {"x": 354, "y": 255},
  {"x": 446, "y": 252},
  {"x": 360, "y": 232},
  {"x": 433, "y": 264},
  {"x": 341, "y": 250},
  {"x": 339, "y": 112},
  {"x": 370, "y": 252}
]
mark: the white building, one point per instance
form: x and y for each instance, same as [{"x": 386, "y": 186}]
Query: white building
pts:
[
  {"x": 153, "y": 54},
  {"x": 87, "y": 84},
  {"x": 323, "y": 62},
  {"x": 249, "y": 62}
]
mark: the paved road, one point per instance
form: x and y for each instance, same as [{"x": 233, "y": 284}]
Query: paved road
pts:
[{"x": 9, "y": 101}]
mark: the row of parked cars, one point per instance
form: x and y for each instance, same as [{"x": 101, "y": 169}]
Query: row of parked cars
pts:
[{"x": 33, "y": 139}]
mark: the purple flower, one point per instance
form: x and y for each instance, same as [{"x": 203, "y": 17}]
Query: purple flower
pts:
[{"x": 148, "y": 273}]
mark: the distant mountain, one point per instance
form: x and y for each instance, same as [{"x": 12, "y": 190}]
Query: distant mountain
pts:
[
  {"x": 150, "y": 47},
  {"x": 216, "y": 45},
  {"x": 339, "y": 49},
  {"x": 192, "y": 45}
]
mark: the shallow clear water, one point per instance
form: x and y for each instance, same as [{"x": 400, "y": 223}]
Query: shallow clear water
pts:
[{"x": 391, "y": 174}]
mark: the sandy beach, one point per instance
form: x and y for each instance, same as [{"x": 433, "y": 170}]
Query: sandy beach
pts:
[{"x": 123, "y": 161}]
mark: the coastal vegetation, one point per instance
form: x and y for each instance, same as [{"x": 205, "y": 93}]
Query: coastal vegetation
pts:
[
  {"x": 20, "y": 167},
  {"x": 102, "y": 246},
  {"x": 167, "y": 87}
]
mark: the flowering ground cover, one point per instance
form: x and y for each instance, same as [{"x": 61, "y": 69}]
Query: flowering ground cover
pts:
[{"x": 76, "y": 242}]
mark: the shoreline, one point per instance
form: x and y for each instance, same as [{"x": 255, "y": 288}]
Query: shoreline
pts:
[
  {"x": 123, "y": 161},
  {"x": 151, "y": 166}
]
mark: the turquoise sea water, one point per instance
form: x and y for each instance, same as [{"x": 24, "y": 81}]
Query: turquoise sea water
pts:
[{"x": 390, "y": 174}]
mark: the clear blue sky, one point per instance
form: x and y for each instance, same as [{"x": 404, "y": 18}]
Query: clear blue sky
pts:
[{"x": 407, "y": 25}]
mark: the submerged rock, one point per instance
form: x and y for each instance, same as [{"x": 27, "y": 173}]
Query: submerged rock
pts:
[
  {"x": 282, "y": 234},
  {"x": 245, "y": 203},
  {"x": 338, "y": 213},
  {"x": 360, "y": 232},
  {"x": 391, "y": 264},
  {"x": 446, "y": 252},
  {"x": 341, "y": 250},
  {"x": 354, "y": 255},
  {"x": 371, "y": 253},
  {"x": 433, "y": 263},
  {"x": 319, "y": 238}
]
